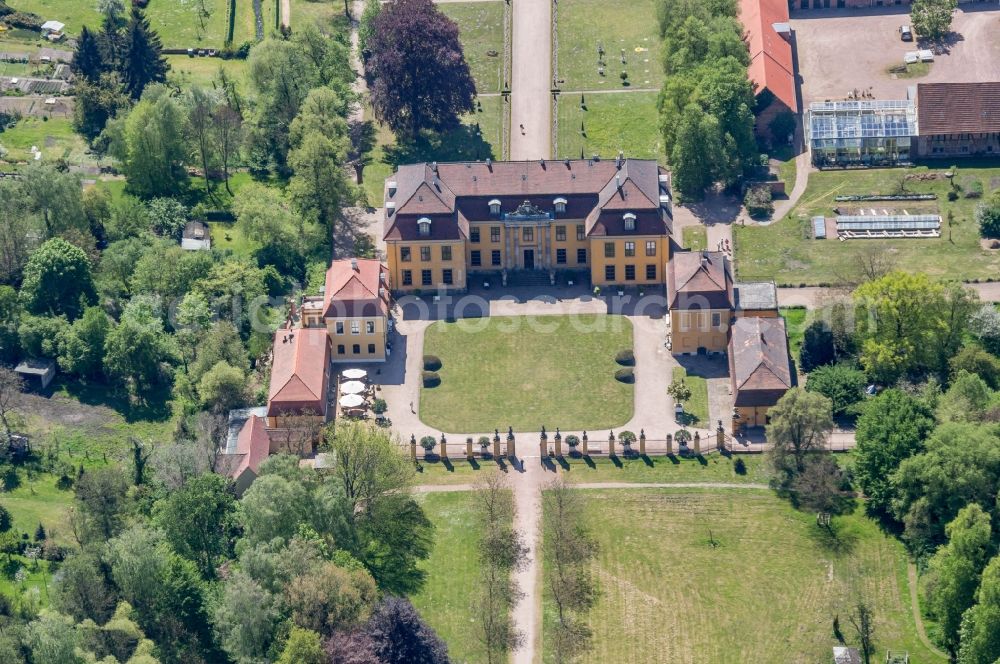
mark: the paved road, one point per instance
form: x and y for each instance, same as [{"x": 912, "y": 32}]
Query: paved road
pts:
[{"x": 531, "y": 80}]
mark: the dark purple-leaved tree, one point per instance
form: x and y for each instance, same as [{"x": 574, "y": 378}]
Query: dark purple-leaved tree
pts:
[
  {"x": 419, "y": 76},
  {"x": 395, "y": 634}
]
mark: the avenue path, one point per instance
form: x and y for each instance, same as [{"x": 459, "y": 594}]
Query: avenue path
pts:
[{"x": 531, "y": 80}]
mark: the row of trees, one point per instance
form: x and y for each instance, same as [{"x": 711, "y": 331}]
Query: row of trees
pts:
[
  {"x": 706, "y": 104},
  {"x": 304, "y": 568}
]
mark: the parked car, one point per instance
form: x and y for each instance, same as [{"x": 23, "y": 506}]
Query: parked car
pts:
[{"x": 905, "y": 33}]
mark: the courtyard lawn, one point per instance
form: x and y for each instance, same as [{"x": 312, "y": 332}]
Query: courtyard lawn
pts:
[
  {"x": 452, "y": 572},
  {"x": 525, "y": 372},
  {"x": 783, "y": 251},
  {"x": 696, "y": 408},
  {"x": 632, "y": 26},
  {"x": 797, "y": 319},
  {"x": 695, "y": 237},
  {"x": 625, "y": 121},
  {"x": 734, "y": 576},
  {"x": 480, "y": 27}
]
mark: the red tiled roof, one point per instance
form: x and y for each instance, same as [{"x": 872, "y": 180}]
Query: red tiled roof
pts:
[
  {"x": 699, "y": 280},
  {"x": 252, "y": 447},
  {"x": 771, "y": 64},
  {"x": 300, "y": 375},
  {"x": 456, "y": 193},
  {"x": 958, "y": 108},
  {"x": 354, "y": 292},
  {"x": 759, "y": 365}
]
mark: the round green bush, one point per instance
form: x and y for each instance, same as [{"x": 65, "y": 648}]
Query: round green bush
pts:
[
  {"x": 484, "y": 441},
  {"x": 428, "y": 442},
  {"x": 431, "y": 378},
  {"x": 626, "y": 437},
  {"x": 625, "y": 376},
  {"x": 572, "y": 440},
  {"x": 740, "y": 466},
  {"x": 626, "y": 358},
  {"x": 683, "y": 436},
  {"x": 432, "y": 363},
  {"x": 379, "y": 406}
]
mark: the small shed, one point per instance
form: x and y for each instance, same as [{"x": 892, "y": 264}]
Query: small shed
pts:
[
  {"x": 196, "y": 237},
  {"x": 38, "y": 373},
  {"x": 53, "y": 30}
]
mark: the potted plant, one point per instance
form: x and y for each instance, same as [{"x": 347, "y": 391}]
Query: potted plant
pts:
[
  {"x": 626, "y": 438},
  {"x": 379, "y": 406},
  {"x": 484, "y": 444},
  {"x": 683, "y": 437},
  {"x": 573, "y": 441},
  {"x": 428, "y": 443}
]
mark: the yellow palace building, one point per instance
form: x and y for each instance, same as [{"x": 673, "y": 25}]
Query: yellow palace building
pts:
[{"x": 445, "y": 222}]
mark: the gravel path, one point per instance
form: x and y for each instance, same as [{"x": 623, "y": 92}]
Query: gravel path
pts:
[{"x": 531, "y": 80}]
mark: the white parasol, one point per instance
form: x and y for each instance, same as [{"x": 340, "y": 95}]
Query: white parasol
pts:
[
  {"x": 352, "y": 387},
  {"x": 354, "y": 374},
  {"x": 351, "y": 400}
]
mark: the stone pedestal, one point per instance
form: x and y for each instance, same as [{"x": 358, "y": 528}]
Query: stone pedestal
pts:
[
  {"x": 697, "y": 443},
  {"x": 511, "y": 450},
  {"x": 611, "y": 444},
  {"x": 642, "y": 442},
  {"x": 670, "y": 444},
  {"x": 583, "y": 442},
  {"x": 444, "y": 447},
  {"x": 413, "y": 450},
  {"x": 496, "y": 448},
  {"x": 468, "y": 447},
  {"x": 558, "y": 440},
  {"x": 720, "y": 439}
]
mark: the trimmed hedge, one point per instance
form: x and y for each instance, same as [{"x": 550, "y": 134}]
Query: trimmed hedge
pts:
[
  {"x": 626, "y": 358},
  {"x": 625, "y": 376},
  {"x": 431, "y": 378},
  {"x": 432, "y": 363}
]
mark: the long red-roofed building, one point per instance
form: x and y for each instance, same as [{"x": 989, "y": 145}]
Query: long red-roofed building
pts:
[{"x": 772, "y": 65}]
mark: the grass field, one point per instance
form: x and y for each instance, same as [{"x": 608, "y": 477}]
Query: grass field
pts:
[
  {"x": 445, "y": 601},
  {"x": 695, "y": 238},
  {"x": 796, "y": 322},
  {"x": 556, "y": 371},
  {"x": 481, "y": 32},
  {"x": 622, "y": 121},
  {"x": 632, "y": 26},
  {"x": 784, "y": 252},
  {"x": 735, "y": 576},
  {"x": 186, "y": 72},
  {"x": 55, "y": 138},
  {"x": 696, "y": 408},
  {"x": 74, "y": 13}
]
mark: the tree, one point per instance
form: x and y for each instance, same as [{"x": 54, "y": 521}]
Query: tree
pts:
[
  {"x": 102, "y": 497},
  {"x": 200, "y": 105},
  {"x": 223, "y": 387},
  {"x": 167, "y": 216},
  {"x": 401, "y": 637},
  {"x": 88, "y": 62},
  {"x": 419, "y": 76},
  {"x": 568, "y": 550},
  {"x": 56, "y": 197},
  {"x": 81, "y": 346},
  {"x": 679, "y": 391},
  {"x": 932, "y": 18},
  {"x": 51, "y": 638},
  {"x": 328, "y": 598},
  {"x": 842, "y": 384},
  {"x": 366, "y": 28},
  {"x": 149, "y": 141},
  {"x": 863, "y": 620},
  {"x": 142, "y": 61},
  {"x": 319, "y": 187},
  {"x": 17, "y": 231},
  {"x": 800, "y": 423},
  {"x": 197, "y": 519},
  {"x": 369, "y": 466},
  {"x": 80, "y": 589},
  {"x": 988, "y": 217},
  {"x": 11, "y": 386},
  {"x": 953, "y": 572},
  {"x": 393, "y": 536},
  {"x": 818, "y": 486},
  {"x": 966, "y": 400},
  {"x": 892, "y": 427},
  {"x": 57, "y": 280},
  {"x": 138, "y": 346},
  {"x": 960, "y": 465},
  {"x": 97, "y": 102},
  {"x": 39, "y": 335},
  {"x": 980, "y": 632},
  {"x": 227, "y": 136},
  {"x": 245, "y": 618},
  {"x": 697, "y": 155},
  {"x": 817, "y": 346},
  {"x": 975, "y": 360},
  {"x": 302, "y": 647},
  {"x": 984, "y": 325}
]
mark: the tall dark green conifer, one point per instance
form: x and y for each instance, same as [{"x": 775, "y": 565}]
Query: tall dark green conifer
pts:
[
  {"x": 88, "y": 62},
  {"x": 143, "y": 62}
]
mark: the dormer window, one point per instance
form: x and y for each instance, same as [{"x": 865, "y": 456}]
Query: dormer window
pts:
[
  {"x": 392, "y": 187},
  {"x": 560, "y": 204},
  {"x": 424, "y": 226},
  {"x": 495, "y": 207},
  {"x": 629, "y": 221}
]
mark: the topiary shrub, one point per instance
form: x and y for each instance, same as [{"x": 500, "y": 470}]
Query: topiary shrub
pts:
[
  {"x": 740, "y": 466},
  {"x": 572, "y": 440},
  {"x": 379, "y": 406},
  {"x": 626, "y": 358},
  {"x": 625, "y": 376},
  {"x": 432, "y": 363},
  {"x": 431, "y": 378},
  {"x": 683, "y": 436},
  {"x": 428, "y": 442},
  {"x": 484, "y": 442},
  {"x": 626, "y": 438}
]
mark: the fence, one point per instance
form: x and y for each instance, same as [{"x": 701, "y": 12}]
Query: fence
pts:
[{"x": 683, "y": 443}]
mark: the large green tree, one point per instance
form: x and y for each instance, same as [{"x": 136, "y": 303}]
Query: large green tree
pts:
[
  {"x": 81, "y": 346},
  {"x": 799, "y": 426},
  {"x": 892, "y": 427},
  {"x": 142, "y": 60},
  {"x": 932, "y": 18},
  {"x": 980, "y": 633},
  {"x": 151, "y": 146},
  {"x": 197, "y": 520},
  {"x": 842, "y": 384},
  {"x": 57, "y": 280},
  {"x": 137, "y": 348}
]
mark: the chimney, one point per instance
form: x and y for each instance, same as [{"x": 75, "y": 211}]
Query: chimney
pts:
[
  {"x": 489, "y": 164},
  {"x": 618, "y": 180},
  {"x": 354, "y": 264},
  {"x": 541, "y": 162},
  {"x": 434, "y": 166},
  {"x": 620, "y": 159},
  {"x": 566, "y": 161}
]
